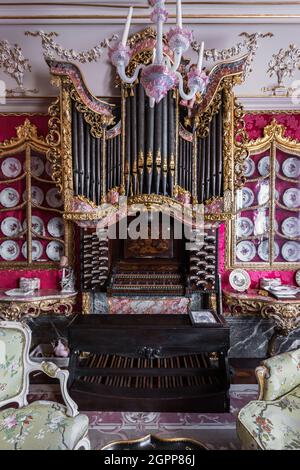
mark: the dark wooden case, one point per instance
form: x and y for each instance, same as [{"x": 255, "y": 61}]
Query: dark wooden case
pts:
[{"x": 148, "y": 363}]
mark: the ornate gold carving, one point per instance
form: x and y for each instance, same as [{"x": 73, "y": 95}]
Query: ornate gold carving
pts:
[
  {"x": 240, "y": 141},
  {"x": 53, "y": 139},
  {"x": 141, "y": 159},
  {"x": 285, "y": 316},
  {"x": 96, "y": 121},
  {"x": 18, "y": 310},
  {"x": 26, "y": 132},
  {"x": 273, "y": 132},
  {"x": 86, "y": 303},
  {"x": 203, "y": 120},
  {"x": 261, "y": 373},
  {"x": 149, "y": 159},
  {"x": 66, "y": 148}
]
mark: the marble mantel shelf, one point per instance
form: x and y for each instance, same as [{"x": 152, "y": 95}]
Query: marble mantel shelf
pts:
[
  {"x": 43, "y": 301},
  {"x": 285, "y": 313}
]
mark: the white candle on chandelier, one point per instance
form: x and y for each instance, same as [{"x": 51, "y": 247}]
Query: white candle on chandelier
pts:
[
  {"x": 127, "y": 26},
  {"x": 179, "y": 13},
  {"x": 200, "y": 57}
]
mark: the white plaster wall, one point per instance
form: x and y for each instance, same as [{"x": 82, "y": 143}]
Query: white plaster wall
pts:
[{"x": 80, "y": 27}]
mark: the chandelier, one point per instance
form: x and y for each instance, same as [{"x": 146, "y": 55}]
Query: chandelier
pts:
[{"x": 162, "y": 75}]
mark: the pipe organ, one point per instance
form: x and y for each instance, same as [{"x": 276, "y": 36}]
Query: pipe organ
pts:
[{"x": 175, "y": 154}]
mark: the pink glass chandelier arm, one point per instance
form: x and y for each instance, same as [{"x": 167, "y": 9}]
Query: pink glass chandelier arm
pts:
[
  {"x": 182, "y": 93},
  {"x": 177, "y": 60},
  {"x": 124, "y": 77}
]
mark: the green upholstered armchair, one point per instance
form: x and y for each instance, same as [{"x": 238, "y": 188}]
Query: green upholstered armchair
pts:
[
  {"x": 42, "y": 425},
  {"x": 273, "y": 421}
]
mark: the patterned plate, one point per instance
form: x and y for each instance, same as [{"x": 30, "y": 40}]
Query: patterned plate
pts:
[
  {"x": 249, "y": 167},
  {"x": 248, "y": 197},
  {"x": 37, "y": 166},
  {"x": 239, "y": 280},
  {"x": 263, "y": 250},
  {"x": 9, "y": 250},
  {"x": 56, "y": 227},
  {"x": 9, "y": 197},
  {"x": 245, "y": 251},
  {"x": 291, "y": 227},
  {"x": 291, "y": 252},
  {"x": 11, "y": 167},
  {"x": 37, "y": 250},
  {"x": 291, "y": 197},
  {"x": 54, "y": 198},
  {"x": 54, "y": 250},
  {"x": 11, "y": 227},
  {"x": 264, "y": 166},
  {"x": 297, "y": 277},
  {"x": 37, "y": 196},
  {"x": 291, "y": 167},
  {"x": 244, "y": 227},
  {"x": 37, "y": 225}
]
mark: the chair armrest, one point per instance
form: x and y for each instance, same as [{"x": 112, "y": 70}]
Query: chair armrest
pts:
[
  {"x": 278, "y": 375},
  {"x": 261, "y": 373},
  {"x": 50, "y": 369}
]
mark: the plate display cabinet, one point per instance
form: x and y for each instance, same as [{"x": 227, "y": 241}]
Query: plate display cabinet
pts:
[
  {"x": 32, "y": 230},
  {"x": 265, "y": 234}
]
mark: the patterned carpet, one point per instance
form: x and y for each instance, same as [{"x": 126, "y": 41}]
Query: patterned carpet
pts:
[{"x": 216, "y": 431}]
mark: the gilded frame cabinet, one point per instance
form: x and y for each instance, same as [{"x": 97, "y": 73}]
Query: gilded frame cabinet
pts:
[
  {"x": 26, "y": 146},
  {"x": 265, "y": 206}
]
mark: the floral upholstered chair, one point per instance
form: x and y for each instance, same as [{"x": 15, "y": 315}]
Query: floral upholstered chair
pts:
[
  {"x": 42, "y": 425},
  {"x": 273, "y": 421}
]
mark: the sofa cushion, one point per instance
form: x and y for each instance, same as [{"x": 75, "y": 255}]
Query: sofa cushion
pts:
[
  {"x": 42, "y": 425},
  {"x": 275, "y": 425}
]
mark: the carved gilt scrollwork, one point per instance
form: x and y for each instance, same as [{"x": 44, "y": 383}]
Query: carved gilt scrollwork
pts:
[
  {"x": 96, "y": 121},
  {"x": 53, "y": 139}
]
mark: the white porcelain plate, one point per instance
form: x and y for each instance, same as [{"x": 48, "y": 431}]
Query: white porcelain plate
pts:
[
  {"x": 9, "y": 250},
  {"x": 297, "y": 277},
  {"x": 54, "y": 250},
  {"x": 291, "y": 198},
  {"x": 239, "y": 280},
  {"x": 37, "y": 225},
  {"x": 11, "y": 227},
  {"x": 11, "y": 167},
  {"x": 244, "y": 227},
  {"x": 37, "y": 250},
  {"x": 291, "y": 227},
  {"x": 291, "y": 251},
  {"x": 245, "y": 251},
  {"x": 37, "y": 195},
  {"x": 263, "y": 250},
  {"x": 249, "y": 167},
  {"x": 54, "y": 198},
  {"x": 18, "y": 292},
  {"x": 264, "y": 166},
  {"x": 291, "y": 167},
  {"x": 36, "y": 166},
  {"x": 9, "y": 197},
  {"x": 56, "y": 227},
  {"x": 248, "y": 197}
]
